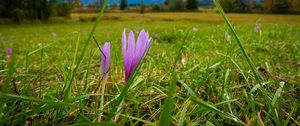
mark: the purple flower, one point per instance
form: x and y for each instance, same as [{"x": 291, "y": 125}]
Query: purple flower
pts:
[
  {"x": 8, "y": 52},
  {"x": 105, "y": 58},
  {"x": 257, "y": 28},
  {"x": 134, "y": 51},
  {"x": 183, "y": 61}
]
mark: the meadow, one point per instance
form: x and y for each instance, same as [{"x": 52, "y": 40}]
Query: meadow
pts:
[{"x": 214, "y": 83}]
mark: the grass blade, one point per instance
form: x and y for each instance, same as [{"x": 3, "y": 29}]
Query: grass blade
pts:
[
  {"x": 214, "y": 109},
  {"x": 85, "y": 47},
  {"x": 139, "y": 119},
  {"x": 50, "y": 102},
  {"x": 165, "y": 117},
  {"x": 183, "y": 111},
  {"x": 251, "y": 64},
  {"x": 278, "y": 93},
  {"x": 96, "y": 124},
  {"x": 225, "y": 94},
  {"x": 199, "y": 101},
  {"x": 30, "y": 113},
  {"x": 238, "y": 41}
]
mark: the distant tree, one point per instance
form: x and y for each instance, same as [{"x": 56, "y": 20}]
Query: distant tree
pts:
[
  {"x": 244, "y": 6},
  {"x": 77, "y": 3},
  {"x": 230, "y": 5},
  {"x": 30, "y": 9},
  {"x": 90, "y": 5},
  {"x": 113, "y": 5},
  {"x": 123, "y": 4},
  {"x": 142, "y": 6},
  {"x": 52, "y": 7},
  {"x": 64, "y": 9},
  {"x": 33, "y": 9},
  {"x": 280, "y": 6},
  {"x": 101, "y": 3},
  {"x": 206, "y": 2},
  {"x": 166, "y": 2},
  {"x": 192, "y": 4},
  {"x": 156, "y": 7},
  {"x": 276, "y": 6},
  {"x": 176, "y": 5},
  {"x": 268, "y": 4},
  {"x": 250, "y": 3},
  {"x": 45, "y": 11},
  {"x": 294, "y": 6}
]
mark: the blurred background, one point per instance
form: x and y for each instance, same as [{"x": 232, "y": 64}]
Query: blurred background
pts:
[{"x": 24, "y": 10}]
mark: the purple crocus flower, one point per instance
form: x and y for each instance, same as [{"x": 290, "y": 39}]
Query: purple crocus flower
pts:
[
  {"x": 183, "y": 61},
  {"x": 8, "y": 52},
  {"x": 257, "y": 28},
  {"x": 105, "y": 58},
  {"x": 134, "y": 51}
]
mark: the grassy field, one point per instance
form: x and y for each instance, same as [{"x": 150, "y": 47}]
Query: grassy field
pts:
[
  {"x": 196, "y": 17},
  {"x": 33, "y": 79}
]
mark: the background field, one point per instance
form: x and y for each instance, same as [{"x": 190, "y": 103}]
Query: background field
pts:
[{"x": 42, "y": 61}]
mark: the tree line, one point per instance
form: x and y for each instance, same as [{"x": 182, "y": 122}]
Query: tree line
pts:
[
  {"x": 44, "y": 9},
  {"x": 241, "y": 6},
  {"x": 35, "y": 9},
  {"x": 264, "y": 6}
]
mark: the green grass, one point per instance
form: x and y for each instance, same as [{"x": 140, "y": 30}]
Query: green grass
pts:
[{"x": 215, "y": 86}]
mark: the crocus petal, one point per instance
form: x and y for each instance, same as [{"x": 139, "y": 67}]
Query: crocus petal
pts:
[
  {"x": 257, "y": 28},
  {"x": 8, "y": 52},
  {"x": 124, "y": 52},
  {"x": 144, "y": 43},
  {"x": 105, "y": 58},
  {"x": 124, "y": 46},
  {"x": 135, "y": 51},
  {"x": 131, "y": 54},
  {"x": 183, "y": 61}
]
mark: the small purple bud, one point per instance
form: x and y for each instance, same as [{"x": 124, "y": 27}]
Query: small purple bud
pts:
[
  {"x": 227, "y": 37},
  {"x": 8, "y": 52},
  {"x": 105, "y": 58},
  {"x": 183, "y": 61},
  {"x": 257, "y": 28}
]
